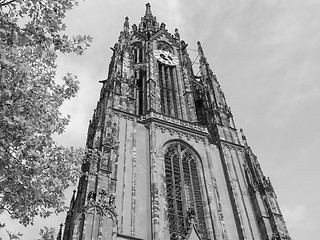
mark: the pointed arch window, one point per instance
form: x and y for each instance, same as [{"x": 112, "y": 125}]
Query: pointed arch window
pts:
[
  {"x": 168, "y": 90},
  {"x": 169, "y": 94},
  {"x": 137, "y": 52},
  {"x": 140, "y": 76},
  {"x": 183, "y": 190}
]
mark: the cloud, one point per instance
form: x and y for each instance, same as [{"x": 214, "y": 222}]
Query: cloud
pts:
[{"x": 294, "y": 214}]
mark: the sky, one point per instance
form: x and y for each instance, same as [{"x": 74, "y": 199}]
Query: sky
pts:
[{"x": 266, "y": 56}]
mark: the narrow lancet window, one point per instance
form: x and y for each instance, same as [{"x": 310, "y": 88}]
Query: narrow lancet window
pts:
[
  {"x": 168, "y": 90},
  {"x": 140, "y": 76},
  {"x": 137, "y": 52}
]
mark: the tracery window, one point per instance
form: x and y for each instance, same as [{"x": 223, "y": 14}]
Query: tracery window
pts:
[{"x": 183, "y": 190}]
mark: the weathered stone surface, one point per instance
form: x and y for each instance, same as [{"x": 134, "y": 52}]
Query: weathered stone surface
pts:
[{"x": 165, "y": 160}]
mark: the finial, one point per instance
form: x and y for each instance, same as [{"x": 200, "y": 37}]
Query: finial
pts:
[
  {"x": 72, "y": 199},
  {"x": 243, "y": 137},
  {"x": 126, "y": 24},
  {"x": 60, "y": 232},
  {"x": 176, "y": 34},
  {"x": 183, "y": 45},
  {"x": 74, "y": 194},
  {"x": 200, "y": 48},
  {"x": 191, "y": 213},
  {"x": 148, "y": 9},
  {"x": 162, "y": 26},
  {"x": 134, "y": 27}
]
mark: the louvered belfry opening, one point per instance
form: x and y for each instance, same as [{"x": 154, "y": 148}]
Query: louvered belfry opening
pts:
[
  {"x": 168, "y": 90},
  {"x": 183, "y": 189},
  {"x": 137, "y": 51},
  {"x": 140, "y": 76}
]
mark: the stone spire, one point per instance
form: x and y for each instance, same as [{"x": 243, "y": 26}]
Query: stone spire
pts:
[
  {"x": 202, "y": 59},
  {"x": 148, "y": 21},
  {"x": 215, "y": 96}
]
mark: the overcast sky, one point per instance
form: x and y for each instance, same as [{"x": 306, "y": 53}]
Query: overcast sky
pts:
[{"x": 266, "y": 55}]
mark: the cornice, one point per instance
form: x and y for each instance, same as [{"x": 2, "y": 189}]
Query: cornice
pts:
[
  {"x": 128, "y": 237},
  {"x": 228, "y": 144},
  {"x": 123, "y": 114},
  {"x": 173, "y": 122}
]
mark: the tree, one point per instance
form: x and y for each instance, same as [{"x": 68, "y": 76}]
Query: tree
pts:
[
  {"x": 47, "y": 233},
  {"x": 34, "y": 170}
]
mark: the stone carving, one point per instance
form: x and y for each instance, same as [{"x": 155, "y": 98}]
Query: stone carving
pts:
[
  {"x": 233, "y": 147},
  {"x": 112, "y": 200},
  {"x": 191, "y": 214},
  {"x": 175, "y": 121},
  {"x": 175, "y": 236},
  {"x": 91, "y": 198},
  {"x": 123, "y": 115},
  {"x": 96, "y": 142},
  {"x": 162, "y": 26},
  {"x": 176, "y": 34},
  {"x": 180, "y": 133},
  {"x": 183, "y": 45},
  {"x": 164, "y": 46},
  {"x": 252, "y": 184},
  {"x": 106, "y": 203},
  {"x": 142, "y": 66},
  {"x": 110, "y": 141},
  {"x": 280, "y": 236}
]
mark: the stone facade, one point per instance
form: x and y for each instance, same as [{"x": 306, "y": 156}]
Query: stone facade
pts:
[{"x": 164, "y": 158}]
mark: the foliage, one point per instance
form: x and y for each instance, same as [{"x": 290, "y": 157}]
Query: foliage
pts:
[
  {"x": 34, "y": 170},
  {"x": 11, "y": 235},
  {"x": 14, "y": 235},
  {"x": 47, "y": 233}
]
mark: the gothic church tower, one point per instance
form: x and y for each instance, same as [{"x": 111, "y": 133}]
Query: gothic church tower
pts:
[{"x": 164, "y": 159}]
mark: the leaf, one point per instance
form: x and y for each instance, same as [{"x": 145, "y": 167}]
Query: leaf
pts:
[
  {"x": 24, "y": 40},
  {"x": 34, "y": 170},
  {"x": 8, "y": 102},
  {"x": 14, "y": 235}
]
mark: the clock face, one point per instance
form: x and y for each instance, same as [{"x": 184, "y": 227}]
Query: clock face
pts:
[{"x": 166, "y": 57}]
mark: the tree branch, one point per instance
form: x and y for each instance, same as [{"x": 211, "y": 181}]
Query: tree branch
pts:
[
  {"x": 3, "y": 208},
  {"x": 4, "y": 3},
  {"x": 8, "y": 152}
]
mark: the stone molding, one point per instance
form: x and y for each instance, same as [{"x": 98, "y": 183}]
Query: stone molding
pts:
[
  {"x": 124, "y": 115},
  {"x": 180, "y": 133},
  {"x": 174, "y": 121}
]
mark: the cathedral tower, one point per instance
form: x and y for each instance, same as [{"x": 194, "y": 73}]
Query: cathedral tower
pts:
[{"x": 164, "y": 159}]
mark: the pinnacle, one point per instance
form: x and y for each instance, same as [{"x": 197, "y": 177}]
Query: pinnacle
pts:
[{"x": 148, "y": 9}]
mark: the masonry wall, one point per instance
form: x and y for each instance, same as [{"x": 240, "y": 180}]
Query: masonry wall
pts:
[{"x": 133, "y": 179}]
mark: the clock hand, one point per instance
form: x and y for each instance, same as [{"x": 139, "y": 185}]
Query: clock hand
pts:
[{"x": 163, "y": 56}]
